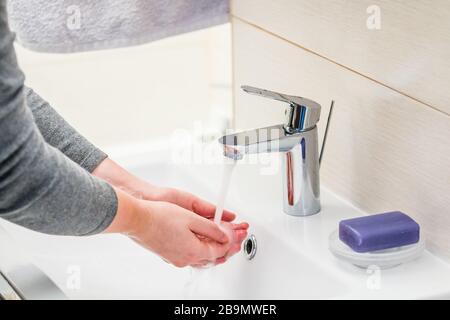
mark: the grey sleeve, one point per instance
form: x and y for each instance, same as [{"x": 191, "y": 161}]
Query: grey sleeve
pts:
[
  {"x": 40, "y": 188},
  {"x": 61, "y": 135}
]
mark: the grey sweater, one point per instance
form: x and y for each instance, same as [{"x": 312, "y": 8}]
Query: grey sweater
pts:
[{"x": 45, "y": 184}]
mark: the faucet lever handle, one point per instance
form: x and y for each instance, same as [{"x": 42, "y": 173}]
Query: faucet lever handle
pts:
[
  {"x": 292, "y": 100},
  {"x": 303, "y": 113},
  {"x": 268, "y": 94}
]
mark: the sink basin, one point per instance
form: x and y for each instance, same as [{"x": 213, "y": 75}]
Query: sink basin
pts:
[{"x": 292, "y": 259}]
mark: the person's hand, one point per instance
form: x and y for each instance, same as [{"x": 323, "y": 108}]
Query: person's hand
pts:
[
  {"x": 188, "y": 201},
  {"x": 177, "y": 235},
  {"x": 185, "y": 239},
  {"x": 120, "y": 178},
  {"x": 237, "y": 233}
]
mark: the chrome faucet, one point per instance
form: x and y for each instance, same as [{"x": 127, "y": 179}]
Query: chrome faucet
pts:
[{"x": 297, "y": 142}]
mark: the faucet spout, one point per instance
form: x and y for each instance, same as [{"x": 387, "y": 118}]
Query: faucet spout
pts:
[
  {"x": 261, "y": 140},
  {"x": 232, "y": 152},
  {"x": 296, "y": 141}
]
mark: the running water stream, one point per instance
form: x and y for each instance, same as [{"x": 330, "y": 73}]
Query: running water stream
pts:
[
  {"x": 227, "y": 172},
  {"x": 197, "y": 274}
]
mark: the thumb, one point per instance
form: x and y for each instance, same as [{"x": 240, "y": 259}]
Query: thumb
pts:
[{"x": 209, "y": 229}]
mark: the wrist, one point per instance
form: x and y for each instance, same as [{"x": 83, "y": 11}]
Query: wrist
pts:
[{"x": 128, "y": 215}]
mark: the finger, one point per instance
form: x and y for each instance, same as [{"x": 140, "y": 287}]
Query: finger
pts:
[
  {"x": 181, "y": 198},
  {"x": 209, "y": 229},
  {"x": 208, "y": 210},
  {"x": 221, "y": 260},
  {"x": 202, "y": 264},
  {"x": 199, "y": 206},
  {"x": 238, "y": 226},
  {"x": 228, "y": 216},
  {"x": 235, "y": 226},
  {"x": 211, "y": 251},
  {"x": 240, "y": 235},
  {"x": 234, "y": 249},
  {"x": 220, "y": 253}
]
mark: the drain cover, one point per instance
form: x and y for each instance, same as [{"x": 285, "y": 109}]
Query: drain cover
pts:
[{"x": 249, "y": 247}]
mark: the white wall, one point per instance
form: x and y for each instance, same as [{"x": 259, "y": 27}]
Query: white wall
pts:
[{"x": 136, "y": 94}]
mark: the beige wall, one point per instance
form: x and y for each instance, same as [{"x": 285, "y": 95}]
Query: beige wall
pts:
[
  {"x": 388, "y": 145},
  {"x": 134, "y": 95}
]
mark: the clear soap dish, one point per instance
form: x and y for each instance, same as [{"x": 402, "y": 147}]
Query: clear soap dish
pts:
[{"x": 383, "y": 259}]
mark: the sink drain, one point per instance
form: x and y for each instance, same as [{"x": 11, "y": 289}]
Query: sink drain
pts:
[{"x": 249, "y": 247}]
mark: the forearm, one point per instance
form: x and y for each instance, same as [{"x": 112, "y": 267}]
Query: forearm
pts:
[
  {"x": 61, "y": 135},
  {"x": 40, "y": 188},
  {"x": 46, "y": 192}
]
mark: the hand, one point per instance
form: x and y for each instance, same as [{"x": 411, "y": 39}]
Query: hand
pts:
[
  {"x": 120, "y": 178},
  {"x": 189, "y": 202},
  {"x": 237, "y": 233},
  {"x": 177, "y": 235},
  {"x": 184, "y": 238}
]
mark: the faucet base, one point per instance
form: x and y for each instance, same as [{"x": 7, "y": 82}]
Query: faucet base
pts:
[
  {"x": 304, "y": 213},
  {"x": 301, "y": 186}
]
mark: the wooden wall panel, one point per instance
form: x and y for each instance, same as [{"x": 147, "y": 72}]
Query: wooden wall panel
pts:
[{"x": 410, "y": 52}]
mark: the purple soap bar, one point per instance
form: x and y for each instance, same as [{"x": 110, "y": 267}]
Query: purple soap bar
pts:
[{"x": 378, "y": 232}]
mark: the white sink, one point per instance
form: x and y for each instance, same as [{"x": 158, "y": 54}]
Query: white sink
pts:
[{"x": 292, "y": 260}]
